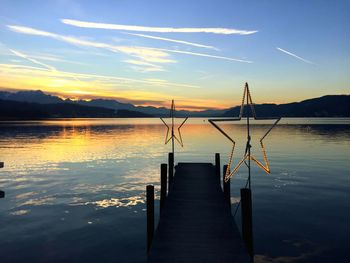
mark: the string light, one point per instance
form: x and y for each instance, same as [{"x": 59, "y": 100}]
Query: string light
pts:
[
  {"x": 265, "y": 165},
  {"x": 171, "y": 136}
]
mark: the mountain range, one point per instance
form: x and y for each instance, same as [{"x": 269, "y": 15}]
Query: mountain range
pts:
[{"x": 37, "y": 104}]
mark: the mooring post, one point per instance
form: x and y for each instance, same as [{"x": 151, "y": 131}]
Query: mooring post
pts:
[
  {"x": 217, "y": 165},
  {"x": 247, "y": 220},
  {"x": 163, "y": 184},
  {"x": 226, "y": 186},
  {"x": 150, "y": 215},
  {"x": 2, "y": 193},
  {"x": 171, "y": 169}
]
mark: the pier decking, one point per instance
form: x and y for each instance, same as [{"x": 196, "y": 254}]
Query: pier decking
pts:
[{"x": 195, "y": 222}]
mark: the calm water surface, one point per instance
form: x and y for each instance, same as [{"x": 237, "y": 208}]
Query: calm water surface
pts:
[{"x": 75, "y": 188}]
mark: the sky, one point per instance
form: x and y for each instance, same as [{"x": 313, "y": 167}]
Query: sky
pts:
[{"x": 199, "y": 53}]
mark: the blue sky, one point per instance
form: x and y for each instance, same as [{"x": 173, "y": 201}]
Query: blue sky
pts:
[{"x": 285, "y": 50}]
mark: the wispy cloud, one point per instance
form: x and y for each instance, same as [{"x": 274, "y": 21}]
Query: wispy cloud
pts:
[
  {"x": 205, "y": 55},
  {"x": 36, "y": 71},
  {"x": 293, "y": 55},
  {"x": 225, "y": 31},
  {"x": 146, "y": 54},
  {"x": 174, "y": 40},
  {"x": 22, "y": 55},
  {"x": 149, "y": 54},
  {"x": 143, "y": 66},
  {"x": 140, "y": 63},
  {"x": 53, "y": 58}
]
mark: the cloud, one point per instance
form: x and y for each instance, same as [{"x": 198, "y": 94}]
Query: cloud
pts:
[
  {"x": 16, "y": 70},
  {"x": 224, "y": 31},
  {"x": 146, "y": 69},
  {"x": 293, "y": 55},
  {"x": 149, "y": 54},
  {"x": 143, "y": 66},
  {"x": 140, "y": 63},
  {"x": 91, "y": 86},
  {"x": 173, "y": 40},
  {"x": 205, "y": 55},
  {"x": 21, "y": 55}
]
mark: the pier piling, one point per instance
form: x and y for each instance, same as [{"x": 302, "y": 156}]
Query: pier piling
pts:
[
  {"x": 2, "y": 193},
  {"x": 163, "y": 184},
  {"x": 226, "y": 186},
  {"x": 171, "y": 169},
  {"x": 150, "y": 215},
  {"x": 247, "y": 220},
  {"x": 217, "y": 165}
]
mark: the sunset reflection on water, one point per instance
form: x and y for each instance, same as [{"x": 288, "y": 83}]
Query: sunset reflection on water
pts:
[{"x": 68, "y": 176}]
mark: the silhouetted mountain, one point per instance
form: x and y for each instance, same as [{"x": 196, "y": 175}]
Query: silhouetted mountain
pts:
[
  {"x": 42, "y": 98},
  {"x": 326, "y": 106},
  {"x": 111, "y": 104},
  {"x": 29, "y": 110},
  {"x": 132, "y": 114},
  {"x": 30, "y": 96}
]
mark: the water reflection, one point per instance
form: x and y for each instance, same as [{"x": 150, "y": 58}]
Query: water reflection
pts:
[
  {"x": 118, "y": 202},
  {"x": 61, "y": 175}
]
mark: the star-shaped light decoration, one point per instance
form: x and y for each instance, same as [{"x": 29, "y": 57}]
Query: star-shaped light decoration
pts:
[
  {"x": 246, "y": 101},
  {"x": 171, "y": 135}
]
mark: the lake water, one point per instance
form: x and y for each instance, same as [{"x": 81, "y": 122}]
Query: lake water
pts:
[{"x": 75, "y": 189}]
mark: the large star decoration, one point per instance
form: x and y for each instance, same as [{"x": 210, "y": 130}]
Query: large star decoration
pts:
[
  {"x": 170, "y": 134},
  {"x": 246, "y": 101}
]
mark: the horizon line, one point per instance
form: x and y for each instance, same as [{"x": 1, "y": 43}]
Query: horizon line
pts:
[{"x": 134, "y": 103}]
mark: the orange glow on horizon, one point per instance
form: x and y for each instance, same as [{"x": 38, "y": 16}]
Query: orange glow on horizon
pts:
[{"x": 141, "y": 92}]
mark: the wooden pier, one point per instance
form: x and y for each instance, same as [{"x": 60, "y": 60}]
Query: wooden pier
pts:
[{"x": 195, "y": 223}]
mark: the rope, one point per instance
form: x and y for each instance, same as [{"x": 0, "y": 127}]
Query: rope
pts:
[{"x": 239, "y": 203}]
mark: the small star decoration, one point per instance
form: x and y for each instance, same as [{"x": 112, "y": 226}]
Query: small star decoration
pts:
[
  {"x": 171, "y": 135},
  {"x": 246, "y": 100}
]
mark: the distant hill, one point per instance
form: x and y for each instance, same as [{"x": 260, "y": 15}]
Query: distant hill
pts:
[
  {"x": 11, "y": 110},
  {"x": 30, "y": 96},
  {"x": 326, "y": 106},
  {"x": 38, "y": 96}
]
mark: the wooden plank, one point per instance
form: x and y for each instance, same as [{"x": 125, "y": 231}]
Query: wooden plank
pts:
[{"x": 196, "y": 223}]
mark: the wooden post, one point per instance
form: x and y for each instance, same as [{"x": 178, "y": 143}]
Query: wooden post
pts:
[
  {"x": 2, "y": 193},
  {"x": 171, "y": 169},
  {"x": 226, "y": 186},
  {"x": 217, "y": 165},
  {"x": 150, "y": 215},
  {"x": 247, "y": 220},
  {"x": 163, "y": 184}
]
